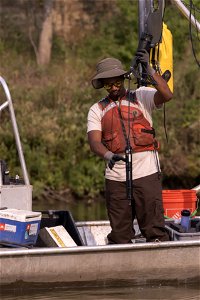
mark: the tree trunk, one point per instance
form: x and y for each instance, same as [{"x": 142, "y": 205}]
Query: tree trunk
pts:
[{"x": 45, "y": 39}]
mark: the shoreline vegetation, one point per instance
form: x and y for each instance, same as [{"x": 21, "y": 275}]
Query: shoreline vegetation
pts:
[{"x": 52, "y": 100}]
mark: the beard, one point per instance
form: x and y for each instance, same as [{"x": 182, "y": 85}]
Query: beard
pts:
[{"x": 115, "y": 95}]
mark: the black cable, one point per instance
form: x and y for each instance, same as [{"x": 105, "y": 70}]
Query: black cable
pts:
[
  {"x": 188, "y": 5},
  {"x": 190, "y": 30},
  {"x": 164, "y": 122},
  {"x": 197, "y": 32},
  {"x": 129, "y": 109},
  {"x": 128, "y": 154}
]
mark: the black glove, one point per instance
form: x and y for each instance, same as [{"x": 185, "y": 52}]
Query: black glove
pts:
[
  {"x": 113, "y": 160},
  {"x": 142, "y": 56}
]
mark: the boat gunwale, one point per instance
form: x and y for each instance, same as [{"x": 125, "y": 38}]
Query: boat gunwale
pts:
[
  {"x": 105, "y": 248},
  {"x": 94, "y": 223}
]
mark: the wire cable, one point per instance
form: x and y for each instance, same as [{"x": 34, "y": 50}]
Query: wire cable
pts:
[{"x": 190, "y": 31}]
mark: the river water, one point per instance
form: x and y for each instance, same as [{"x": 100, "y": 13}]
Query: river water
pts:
[
  {"x": 182, "y": 292},
  {"x": 82, "y": 211}
]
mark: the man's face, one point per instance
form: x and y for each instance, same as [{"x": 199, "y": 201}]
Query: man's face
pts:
[{"x": 114, "y": 86}]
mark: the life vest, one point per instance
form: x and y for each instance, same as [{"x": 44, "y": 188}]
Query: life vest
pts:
[{"x": 115, "y": 126}]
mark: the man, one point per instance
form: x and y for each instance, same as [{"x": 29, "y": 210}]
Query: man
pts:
[{"x": 123, "y": 115}]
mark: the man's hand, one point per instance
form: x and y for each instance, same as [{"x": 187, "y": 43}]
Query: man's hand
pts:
[
  {"x": 142, "y": 56},
  {"x": 113, "y": 158},
  {"x": 112, "y": 161}
]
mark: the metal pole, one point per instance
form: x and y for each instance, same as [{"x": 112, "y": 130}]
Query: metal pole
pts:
[
  {"x": 185, "y": 11},
  {"x": 143, "y": 14},
  {"x": 15, "y": 130},
  {"x": 4, "y": 105},
  {"x": 1, "y": 179}
]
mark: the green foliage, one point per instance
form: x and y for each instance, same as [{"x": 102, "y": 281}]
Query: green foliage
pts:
[
  {"x": 2, "y": 48},
  {"x": 86, "y": 177},
  {"x": 114, "y": 36},
  {"x": 51, "y": 104},
  {"x": 59, "y": 48}
]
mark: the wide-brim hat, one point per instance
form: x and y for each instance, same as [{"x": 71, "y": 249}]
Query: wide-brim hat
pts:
[{"x": 107, "y": 68}]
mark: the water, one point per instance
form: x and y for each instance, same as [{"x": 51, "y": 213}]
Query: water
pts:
[
  {"x": 80, "y": 210},
  {"x": 182, "y": 292}
]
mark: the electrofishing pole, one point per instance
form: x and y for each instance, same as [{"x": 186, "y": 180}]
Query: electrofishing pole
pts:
[{"x": 150, "y": 33}]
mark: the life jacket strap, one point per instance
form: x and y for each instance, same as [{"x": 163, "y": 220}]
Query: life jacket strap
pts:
[{"x": 150, "y": 131}]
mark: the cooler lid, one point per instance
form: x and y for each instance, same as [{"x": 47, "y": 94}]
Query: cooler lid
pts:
[{"x": 19, "y": 215}]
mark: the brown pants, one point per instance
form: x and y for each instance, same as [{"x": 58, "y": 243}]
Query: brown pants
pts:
[{"x": 147, "y": 208}]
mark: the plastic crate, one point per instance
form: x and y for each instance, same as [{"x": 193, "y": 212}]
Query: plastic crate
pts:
[{"x": 175, "y": 235}]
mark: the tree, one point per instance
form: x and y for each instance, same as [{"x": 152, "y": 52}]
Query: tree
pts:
[
  {"x": 43, "y": 51},
  {"x": 45, "y": 39}
]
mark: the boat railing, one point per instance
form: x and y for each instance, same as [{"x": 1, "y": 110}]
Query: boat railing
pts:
[
  {"x": 9, "y": 104},
  {"x": 187, "y": 13}
]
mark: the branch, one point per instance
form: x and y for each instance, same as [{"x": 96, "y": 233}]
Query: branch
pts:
[{"x": 33, "y": 43}]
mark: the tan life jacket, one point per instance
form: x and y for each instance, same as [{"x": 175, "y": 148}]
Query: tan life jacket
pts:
[{"x": 115, "y": 126}]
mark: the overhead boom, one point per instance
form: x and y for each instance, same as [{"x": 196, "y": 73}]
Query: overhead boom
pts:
[{"x": 185, "y": 11}]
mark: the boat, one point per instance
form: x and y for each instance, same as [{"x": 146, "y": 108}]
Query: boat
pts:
[
  {"x": 99, "y": 264},
  {"x": 92, "y": 262}
]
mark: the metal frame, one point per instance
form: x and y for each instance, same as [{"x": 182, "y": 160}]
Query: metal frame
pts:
[
  {"x": 9, "y": 104},
  {"x": 185, "y": 11},
  {"x": 84, "y": 249}
]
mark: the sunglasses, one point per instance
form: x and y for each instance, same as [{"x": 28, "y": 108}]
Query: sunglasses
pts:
[{"x": 117, "y": 84}]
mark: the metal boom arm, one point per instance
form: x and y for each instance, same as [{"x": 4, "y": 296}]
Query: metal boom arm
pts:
[{"x": 185, "y": 11}]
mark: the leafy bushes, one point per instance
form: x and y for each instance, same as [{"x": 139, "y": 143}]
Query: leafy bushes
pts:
[{"x": 51, "y": 105}]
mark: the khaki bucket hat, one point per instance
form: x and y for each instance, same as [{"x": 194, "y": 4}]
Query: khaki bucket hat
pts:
[{"x": 107, "y": 68}]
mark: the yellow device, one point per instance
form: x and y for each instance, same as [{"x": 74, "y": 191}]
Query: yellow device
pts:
[{"x": 161, "y": 57}]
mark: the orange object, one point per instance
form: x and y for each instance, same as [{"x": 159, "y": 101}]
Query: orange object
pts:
[
  {"x": 142, "y": 135},
  {"x": 174, "y": 201}
]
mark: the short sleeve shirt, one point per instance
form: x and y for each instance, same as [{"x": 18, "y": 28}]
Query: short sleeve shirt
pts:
[{"x": 144, "y": 163}]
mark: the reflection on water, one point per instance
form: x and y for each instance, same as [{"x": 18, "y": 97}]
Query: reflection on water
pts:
[
  {"x": 183, "y": 292},
  {"x": 81, "y": 210}
]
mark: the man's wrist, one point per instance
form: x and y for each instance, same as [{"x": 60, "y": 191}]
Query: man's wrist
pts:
[
  {"x": 108, "y": 155},
  {"x": 150, "y": 70}
]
